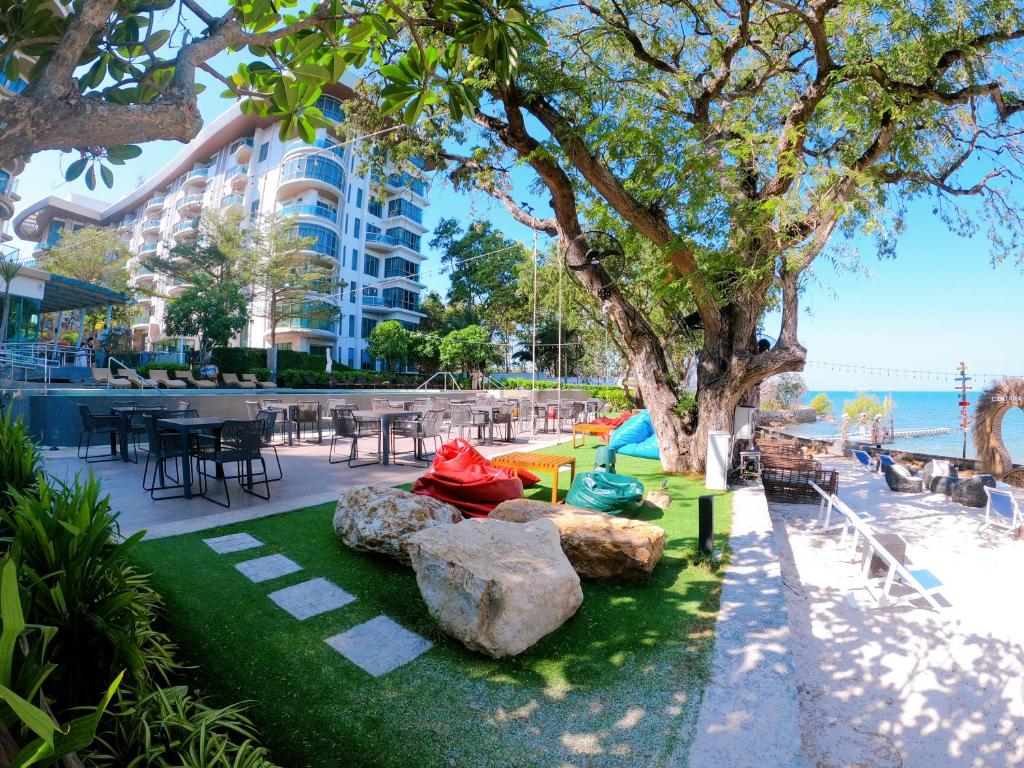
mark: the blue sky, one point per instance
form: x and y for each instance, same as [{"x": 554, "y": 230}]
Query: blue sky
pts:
[{"x": 939, "y": 302}]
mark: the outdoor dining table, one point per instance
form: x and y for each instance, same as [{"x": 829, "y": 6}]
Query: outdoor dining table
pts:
[
  {"x": 185, "y": 427},
  {"x": 490, "y": 409},
  {"x": 385, "y": 416},
  {"x": 124, "y": 414}
]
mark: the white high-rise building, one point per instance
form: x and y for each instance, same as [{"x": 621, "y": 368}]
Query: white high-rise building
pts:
[{"x": 372, "y": 228}]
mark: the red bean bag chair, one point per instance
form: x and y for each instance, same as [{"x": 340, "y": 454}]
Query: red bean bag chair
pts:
[
  {"x": 462, "y": 477},
  {"x": 618, "y": 421}
]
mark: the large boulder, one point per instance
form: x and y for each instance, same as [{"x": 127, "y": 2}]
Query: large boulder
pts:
[
  {"x": 498, "y": 587},
  {"x": 375, "y": 518},
  {"x": 599, "y": 545}
]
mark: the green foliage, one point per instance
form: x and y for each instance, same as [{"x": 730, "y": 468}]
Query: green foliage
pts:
[
  {"x": 863, "y": 403},
  {"x": 262, "y": 374},
  {"x": 214, "y": 311},
  {"x": 144, "y": 371},
  {"x": 84, "y": 586},
  {"x": 484, "y": 267},
  {"x": 91, "y": 254},
  {"x": 390, "y": 342},
  {"x": 241, "y": 359},
  {"x": 9, "y": 269},
  {"x": 425, "y": 351},
  {"x": 24, "y": 669},
  {"x": 168, "y": 728},
  {"x": 290, "y": 358},
  {"x": 467, "y": 349},
  {"x": 20, "y": 459},
  {"x": 615, "y": 396},
  {"x": 822, "y": 404}
]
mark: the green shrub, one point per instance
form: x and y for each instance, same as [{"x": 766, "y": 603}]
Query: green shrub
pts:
[
  {"x": 263, "y": 374},
  {"x": 144, "y": 371},
  {"x": 616, "y": 396},
  {"x": 168, "y": 728},
  {"x": 84, "y": 585},
  {"x": 20, "y": 460},
  {"x": 240, "y": 359},
  {"x": 821, "y": 404},
  {"x": 289, "y": 358},
  {"x": 292, "y": 378}
]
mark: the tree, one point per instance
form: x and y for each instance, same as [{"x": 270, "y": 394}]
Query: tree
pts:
[
  {"x": 432, "y": 305},
  {"x": 217, "y": 253},
  {"x": 107, "y": 75},
  {"x": 783, "y": 391},
  {"x": 390, "y": 342},
  {"x": 285, "y": 278},
  {"x": 212, "y": 311},
  {"x": 865, "y": 404},
  {"x": 572, "y": 348},
  {"x": 736, "y": 138},
  {"x": 9, "y": 270},
  {"x": 467, "y": 349},
  {"x": 425, "y": 351},
  {"x": 95, "y": 256},
  {"x": 484, "y": 271},
  {"x": 822, "y": 404}
]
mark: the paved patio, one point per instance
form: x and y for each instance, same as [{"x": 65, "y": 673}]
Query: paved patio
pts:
[
  {"x": 308, "y": 480},
  {"x": 902, "y": 685}
]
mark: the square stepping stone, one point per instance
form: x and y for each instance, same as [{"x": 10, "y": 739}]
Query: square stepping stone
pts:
[
  {"x": 379, "y": 645},
  {"x": 234, "y": 542},
  {"x": 266, "y": 568},
  {"x": 311, "y": 598}
]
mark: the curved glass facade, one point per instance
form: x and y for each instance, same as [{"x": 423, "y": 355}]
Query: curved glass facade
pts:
[
  {"x": 331, "y": 108},
  {"x": 326, "y": 241},
  {"x": 315, "y": 167}
]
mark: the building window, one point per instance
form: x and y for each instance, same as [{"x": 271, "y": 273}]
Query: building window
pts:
[
  {"x": 398, "y": 267},
  {"x": 369, "y": 324},
  {"x": 376, "y": 207},
  {"x": 351, "y": 355},
  {"x": 405, "y": 208},
  {"x": 359, "y": 198},
  {"x": 255, "y": 205},
  {"x": 264, "y": 151},
  {"x": 404, "y": 237},
  {"x": 346, "y": 223},
  {"x": 53, "y": 236},
  {"x": 331, "y": 108},
  {"x": 315, "y": 167},
  {"x": 355, "y": 260},
  {"x": 352, "y": 290},
  {"x": 351, "y": 329},
  {"x": 286, "y": 345},
  {"x": 371, "y": 265},
  {"x": 357, "y": 227},
  {"x": 325, "y": 241}
]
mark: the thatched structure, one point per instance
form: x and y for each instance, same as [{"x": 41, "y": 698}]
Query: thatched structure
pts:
[{"x": 992, "y": 406}]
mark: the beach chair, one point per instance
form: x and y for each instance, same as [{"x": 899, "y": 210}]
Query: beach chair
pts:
[
  {"x": 261, "y": 384},
  {"x": 103, "y": 378},
  {"x": 232, "y": 380},
  {"x": 852, "y": 522},
  {"x": 866, "y": 459},
  {"x": 885, "y": 460},
  {"x": 191, "y": 381},
  {"x": 159, "y": 376},
  {"x": 920, "y": 580},
  {"x": 1002, "y": 510},
  {"x": 901, "y": 480}
]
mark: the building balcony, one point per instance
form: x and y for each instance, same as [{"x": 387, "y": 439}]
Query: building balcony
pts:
[
  {"x": 406, "y": 221},
  {"x": 238, "y": 176},
  {"x": 191, "y": 202},
  {"x": 8, "y": 186},
  {"x": 310, "y": 172},
  {"x": 319, "y": 211},
  {"x": 310, "y": 331},
  {"x": 242, "y": 149},
  {"x": 147, "y": 249},
  {"x": 233, "y": 203},
  {"x": 378, "y": 241},
  {"x": 184, "y": 230},
  {"x": 317, "y": 147},
  {"x": 176, "y": 287},
  {"x": 154, "y": 204},
  {"x": 197, "y": 176},
  {"x": 386, "y": 305},
  {"x": 397, "y": 183},
  {"x": 151, "y": 225}
]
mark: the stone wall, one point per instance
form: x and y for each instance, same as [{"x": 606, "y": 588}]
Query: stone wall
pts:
[{"x": 790, "y": 416}]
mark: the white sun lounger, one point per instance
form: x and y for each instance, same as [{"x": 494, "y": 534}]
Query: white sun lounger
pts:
[
  {"x": 920, "y": 580},
  {"x": 1002, "y": 510},
  {"x": 825, "y": 512}
]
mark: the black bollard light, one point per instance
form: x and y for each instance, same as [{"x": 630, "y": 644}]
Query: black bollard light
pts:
[{"x": 706, "y": 525}]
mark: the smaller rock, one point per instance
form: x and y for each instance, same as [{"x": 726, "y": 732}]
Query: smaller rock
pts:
[
  {"x": 660, "y": 499},
  {"x": 375, "y": 518},
  {"x": 497, "y": 587},
  {"x": 599, "y": 545}
]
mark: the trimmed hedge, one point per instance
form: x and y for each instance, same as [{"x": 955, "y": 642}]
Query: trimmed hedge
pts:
[
  {"x": 615, "y": 396},
  {"x": 144, "y": 371},
  {"x": 239, "y": 359},
  {"x": 295, "y": 378}
]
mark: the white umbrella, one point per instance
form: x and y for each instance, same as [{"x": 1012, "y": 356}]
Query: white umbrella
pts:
[{"x": 330, "y": 360}]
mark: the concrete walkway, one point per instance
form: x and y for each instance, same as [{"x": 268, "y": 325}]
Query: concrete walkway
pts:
[
  {"x": 308, "y": 480},
  {"x": 749, "y": 715}
]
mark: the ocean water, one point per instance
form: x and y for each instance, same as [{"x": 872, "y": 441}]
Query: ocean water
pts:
[{"x": 922, "y": 410}]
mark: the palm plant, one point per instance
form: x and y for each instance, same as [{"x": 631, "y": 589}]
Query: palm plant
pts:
[
  {"x": 20, "y": 460},
  {"x": 9, "y": 270}
]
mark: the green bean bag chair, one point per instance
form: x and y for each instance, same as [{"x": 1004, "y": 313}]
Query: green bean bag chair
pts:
[{"x": 606, "y": 492}]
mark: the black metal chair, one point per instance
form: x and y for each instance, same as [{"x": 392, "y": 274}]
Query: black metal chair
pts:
[
  {"x": 348, "y": 427},
  {"x": 419, "y": 429},
  {"x": 268, "y": 420},
  {"x": 506, "y": 415},
  {"x": 306, "y": 413},
  {"x": 97, "y": 426},
  {"x": 464, "y": 418},
  {"x": 239, "y": 443},
  {"x": 164, "y": 446}
]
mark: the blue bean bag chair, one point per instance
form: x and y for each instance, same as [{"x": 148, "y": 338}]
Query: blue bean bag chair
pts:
[
  {"x": 606, "y": 492},
  {"x": 636, "y": 438}
]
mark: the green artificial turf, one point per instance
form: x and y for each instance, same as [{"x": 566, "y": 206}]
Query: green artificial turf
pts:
[{"x": 618, "y": 684}]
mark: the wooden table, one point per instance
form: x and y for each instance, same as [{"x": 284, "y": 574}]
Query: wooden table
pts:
[
  {"x": 585, "y": 428},
  {"x": 538, "y": 462}
]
